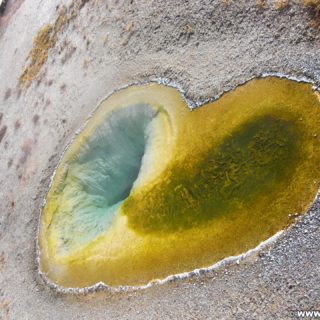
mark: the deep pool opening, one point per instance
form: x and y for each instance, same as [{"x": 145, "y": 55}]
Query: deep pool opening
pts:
[
  {"x": 115, "y": 151},
  {"x": 103, "y": 174}
]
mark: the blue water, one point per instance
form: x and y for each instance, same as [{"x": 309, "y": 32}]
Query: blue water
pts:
[{"x": 101, "y": 176}]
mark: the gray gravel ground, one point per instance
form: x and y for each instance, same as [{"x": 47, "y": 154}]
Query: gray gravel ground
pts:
[{"x": 207, "y": 47}]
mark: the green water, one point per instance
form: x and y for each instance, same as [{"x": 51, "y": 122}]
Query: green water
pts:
[{"x": 248, "y": 163}]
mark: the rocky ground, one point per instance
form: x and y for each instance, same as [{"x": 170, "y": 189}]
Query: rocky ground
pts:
[{"x": 81, "y": 53}]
